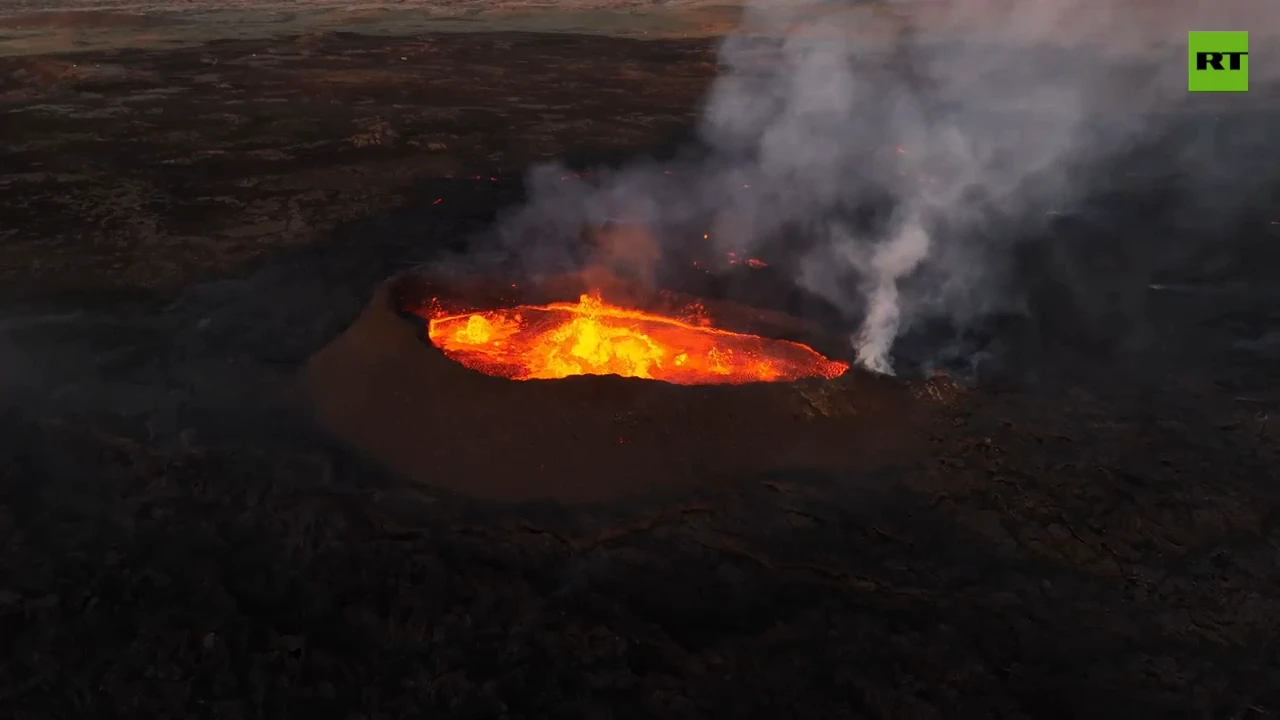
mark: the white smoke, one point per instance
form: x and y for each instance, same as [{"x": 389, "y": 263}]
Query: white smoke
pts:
[
  {"x": 979, "y": 118},
  {"x": 892, "y": 261}
]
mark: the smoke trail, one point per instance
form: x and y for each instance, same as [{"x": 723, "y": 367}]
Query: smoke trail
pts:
[
  {"x": 902, "y": 150},
  {"x": 891, "y": 262}
]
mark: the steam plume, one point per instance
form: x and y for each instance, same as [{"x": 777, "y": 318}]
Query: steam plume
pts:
[{"x": 974, "y": 122}]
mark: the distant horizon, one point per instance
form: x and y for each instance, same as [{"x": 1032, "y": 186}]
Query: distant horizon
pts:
[
  {"x": 61, "y": 26},
  {"x": 34, "y": 27}
]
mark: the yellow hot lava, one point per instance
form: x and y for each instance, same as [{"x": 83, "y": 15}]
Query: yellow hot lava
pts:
[{"x": 591, "y": 337}]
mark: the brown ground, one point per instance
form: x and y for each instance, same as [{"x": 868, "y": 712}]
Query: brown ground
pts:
[{"x": 181, "y": 230}]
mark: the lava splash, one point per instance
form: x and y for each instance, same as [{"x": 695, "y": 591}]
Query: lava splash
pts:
[{"x": 592, "y": 337}]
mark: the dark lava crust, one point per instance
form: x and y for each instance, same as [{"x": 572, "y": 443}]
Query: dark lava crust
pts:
[{"x": 180, "y": 230}]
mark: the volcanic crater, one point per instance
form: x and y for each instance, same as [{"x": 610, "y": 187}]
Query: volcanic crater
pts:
[{"x": 787, "y": 400}]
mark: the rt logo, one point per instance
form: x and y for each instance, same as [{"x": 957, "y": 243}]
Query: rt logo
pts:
[{"x": 1218, "y": 61}]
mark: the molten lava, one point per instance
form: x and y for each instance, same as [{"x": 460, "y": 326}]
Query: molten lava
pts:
[{"x": 591, "y": 337}]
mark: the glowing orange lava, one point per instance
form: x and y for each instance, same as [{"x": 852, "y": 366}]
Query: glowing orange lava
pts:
[{"x": 591, "y": 337}]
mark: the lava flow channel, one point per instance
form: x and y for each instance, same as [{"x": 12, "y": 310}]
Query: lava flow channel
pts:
[{"x": 591, "y": 337}]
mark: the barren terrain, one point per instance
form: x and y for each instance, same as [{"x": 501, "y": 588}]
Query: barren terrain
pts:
[
  {"x": 43, "y": 27},
  {"x": 181, "y": 228}
]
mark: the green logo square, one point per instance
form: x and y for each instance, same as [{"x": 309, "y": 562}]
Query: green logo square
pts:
[{"x": 1218, "y": 61}]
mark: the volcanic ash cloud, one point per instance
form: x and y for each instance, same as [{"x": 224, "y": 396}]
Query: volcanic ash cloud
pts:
[{"x": 963, "y": 126}]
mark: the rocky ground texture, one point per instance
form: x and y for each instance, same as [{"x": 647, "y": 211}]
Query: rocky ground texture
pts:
[{"x": 181, "y": 229}]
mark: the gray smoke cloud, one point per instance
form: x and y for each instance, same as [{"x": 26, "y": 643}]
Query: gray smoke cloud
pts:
[{"x": 902, "y": 151}]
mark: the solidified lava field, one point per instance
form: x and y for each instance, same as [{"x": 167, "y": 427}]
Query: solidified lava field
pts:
[{"x": 182, "y": 230}]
